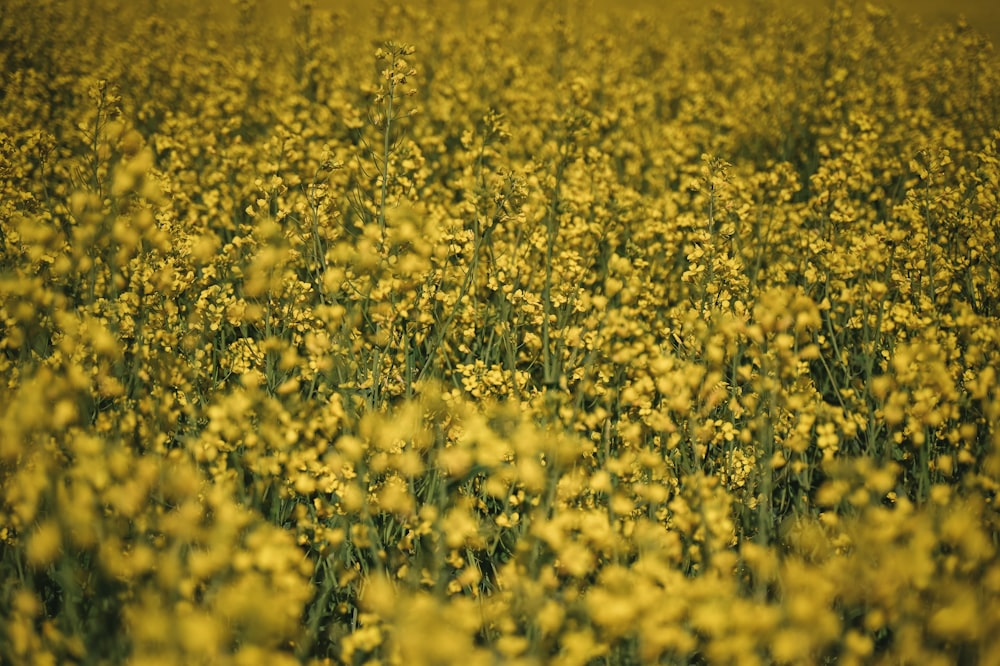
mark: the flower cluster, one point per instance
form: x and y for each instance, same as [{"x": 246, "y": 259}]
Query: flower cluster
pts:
[{"x": 436, "y": 333}]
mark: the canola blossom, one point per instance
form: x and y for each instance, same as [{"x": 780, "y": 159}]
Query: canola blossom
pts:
[{"x": 497, "y": 332}]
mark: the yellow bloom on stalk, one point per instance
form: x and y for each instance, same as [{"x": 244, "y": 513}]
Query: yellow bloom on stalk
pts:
[
  {"x": 44, "y": 544},
  {"x": 575, "y": 559},
  {"x": 201, "y": 635},
  {"x": 394, "y": 497}
]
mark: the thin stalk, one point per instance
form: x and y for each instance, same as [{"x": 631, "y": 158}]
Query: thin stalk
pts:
[
  {"x": 549, "y": 374},
  {"x": 470, "y": 275},
  {"x": 386, "y": 148}
]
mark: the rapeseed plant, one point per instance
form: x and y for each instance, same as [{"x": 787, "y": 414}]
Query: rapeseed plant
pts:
[{"x": 558, "y": 337}]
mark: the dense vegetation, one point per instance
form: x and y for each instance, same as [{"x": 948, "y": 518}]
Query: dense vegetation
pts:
[{"x": 505, "y": 332}]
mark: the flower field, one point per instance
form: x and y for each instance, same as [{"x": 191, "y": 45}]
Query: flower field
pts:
[{"x": 497, "y": 333}]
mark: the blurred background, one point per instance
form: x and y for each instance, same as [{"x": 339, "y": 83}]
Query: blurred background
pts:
[{"x": 981, "y": 15}]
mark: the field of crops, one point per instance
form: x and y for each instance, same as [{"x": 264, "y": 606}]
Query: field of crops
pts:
[{"x": 497, "y": 332}]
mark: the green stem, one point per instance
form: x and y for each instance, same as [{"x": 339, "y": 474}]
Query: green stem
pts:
[{"x": 386, "y": 148}]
